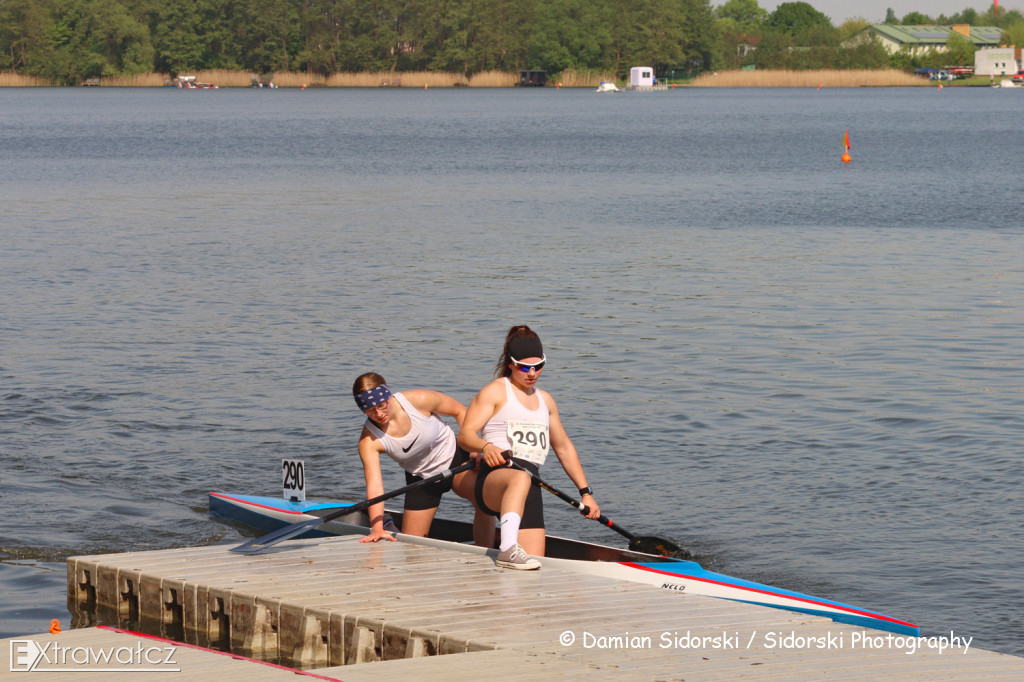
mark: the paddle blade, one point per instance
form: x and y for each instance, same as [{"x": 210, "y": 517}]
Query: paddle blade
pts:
[
  {"x": 259, "y": 544},
  {"x": 651, "y": 544}
]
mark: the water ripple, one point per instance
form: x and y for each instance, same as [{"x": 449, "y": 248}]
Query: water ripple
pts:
[{"x": 818, "y": 388}]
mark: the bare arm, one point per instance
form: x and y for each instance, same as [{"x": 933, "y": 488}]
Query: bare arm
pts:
[
  {"x": 484, "y": 405},
  {"x": 369, "y": 452},
  {"x": 567, "y": 455},
  {"x": 432, "y": 402}
]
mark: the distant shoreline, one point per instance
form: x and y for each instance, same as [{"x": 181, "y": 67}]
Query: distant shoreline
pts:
[{"x": 824, "y": 78}]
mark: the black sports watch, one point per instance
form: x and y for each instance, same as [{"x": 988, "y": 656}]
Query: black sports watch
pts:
[{"x": 586, "y": 491}]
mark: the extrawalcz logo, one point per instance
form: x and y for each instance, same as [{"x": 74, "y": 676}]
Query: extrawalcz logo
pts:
[
  {"x": 25, "y": 655},
  {"x": 29, "y": 656}
]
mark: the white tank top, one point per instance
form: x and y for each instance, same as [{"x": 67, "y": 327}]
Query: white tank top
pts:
[
  {"x": 426, "y": 450},
  {"x": 496, "y": 429}
]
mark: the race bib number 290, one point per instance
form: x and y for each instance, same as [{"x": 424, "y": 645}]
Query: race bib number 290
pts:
[{"x": 529, "y": 440}]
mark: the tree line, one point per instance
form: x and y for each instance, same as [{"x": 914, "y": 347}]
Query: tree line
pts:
[
  {"x": 68, "y": 41},
  {"x": 797, "y": 36}
]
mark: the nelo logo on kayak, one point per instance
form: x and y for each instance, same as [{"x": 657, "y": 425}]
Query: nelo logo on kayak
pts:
[{"x": 673, "y": 586}]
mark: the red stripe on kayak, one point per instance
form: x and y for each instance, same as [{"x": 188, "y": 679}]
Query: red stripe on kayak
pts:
[
  {"x": 850, "y": 609},
  {"x": 257, "y": 504},
  {"x": 213, "y": 651}
]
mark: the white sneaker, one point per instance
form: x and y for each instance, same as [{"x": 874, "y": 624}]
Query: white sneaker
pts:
[{"x": 517, "y": 558}]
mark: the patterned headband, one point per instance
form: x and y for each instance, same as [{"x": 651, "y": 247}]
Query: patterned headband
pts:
[{"x": 373, "y": 397}]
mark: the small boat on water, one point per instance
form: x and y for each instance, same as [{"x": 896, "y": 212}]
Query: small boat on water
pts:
[
  {"x": 190, "y": 83},
  {"x": 607, "y": 87},
  {"x": 270, "y": 513}
]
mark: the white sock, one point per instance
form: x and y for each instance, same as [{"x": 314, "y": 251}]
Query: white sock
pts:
[{"x": 509, "y": 530}]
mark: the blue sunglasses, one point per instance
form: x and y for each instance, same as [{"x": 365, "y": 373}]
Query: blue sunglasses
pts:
[{"x": 524, "y": 368}]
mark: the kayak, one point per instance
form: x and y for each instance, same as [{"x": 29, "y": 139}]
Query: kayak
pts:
[{"x": 269, "y": 513}]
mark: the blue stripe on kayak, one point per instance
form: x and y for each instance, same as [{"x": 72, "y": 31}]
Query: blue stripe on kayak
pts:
[
  {"x": 300, "y": 507},
  {"x": 850, "y": 614},
  {"x": 229, "y": 507}
]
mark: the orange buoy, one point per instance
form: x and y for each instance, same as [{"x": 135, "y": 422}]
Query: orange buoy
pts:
[{"x": 846, "y": 147}]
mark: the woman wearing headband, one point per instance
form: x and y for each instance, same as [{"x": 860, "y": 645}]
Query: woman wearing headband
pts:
[
  {"x": 511, "y": 413},
  {"x": 406, "y": 427}
]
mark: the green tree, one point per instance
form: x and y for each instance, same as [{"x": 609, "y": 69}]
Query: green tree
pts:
[
  {"x": 23, "y": 27},
  {"x": 852, "y": 27},
  {"x": 1000, "y": 17},
  {"x": 92, "y": 38},
  {"x": 741, "y": 23},
  {"x": 960, "y": 49},
  {"x": 916, "y": 19},
  {"x": 502, "y": 37},
  {"x": 968, "y": 16},
  {"x": 793, "y": 17},
  {"x": 866, "y": 55},
  {"x": 447, "y": 31},
  {"x": 189, "y": 35},
  {"x": 665, "y": 35},
  {"x": 573, "y": 34},
  {"x": 746, "y": 15},
  {"x": 266, "y": 34},
  {"x": 321, "y": 27},
  {"x": 1013, "y": 34},
  {"x": 1009, "y": 18}
]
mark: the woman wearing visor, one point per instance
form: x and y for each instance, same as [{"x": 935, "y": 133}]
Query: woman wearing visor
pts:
[
  {"x": 405, "y": 426},
  {"x": 511, "y": 413}
]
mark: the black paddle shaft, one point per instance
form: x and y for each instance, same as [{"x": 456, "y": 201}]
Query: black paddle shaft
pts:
[
  {"x": 281, "y": 534},
  {"x": 649, "y": 544}
]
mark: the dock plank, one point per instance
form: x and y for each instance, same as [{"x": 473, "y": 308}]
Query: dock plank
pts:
[{"x": 335, "y": 600}]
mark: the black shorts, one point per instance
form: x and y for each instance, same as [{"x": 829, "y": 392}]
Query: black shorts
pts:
[
  {"x": 533, "y": 513},
  {"x": 429, "y": 496}
]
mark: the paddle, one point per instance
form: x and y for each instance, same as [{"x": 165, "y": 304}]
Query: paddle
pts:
[
  {"x": 648, "y": 544},
  {"x": 281, "y": 534}
]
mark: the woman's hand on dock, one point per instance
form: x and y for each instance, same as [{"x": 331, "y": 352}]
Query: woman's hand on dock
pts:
[{"x": 376, "y": 535}]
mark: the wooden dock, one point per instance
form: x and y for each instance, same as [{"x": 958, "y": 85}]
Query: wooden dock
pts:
[{"x": 397, "y": 610}]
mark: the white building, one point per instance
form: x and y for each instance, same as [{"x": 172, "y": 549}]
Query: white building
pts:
[
  {"x": 641, "y": 77},
  {"x": 997, "y": 61}
]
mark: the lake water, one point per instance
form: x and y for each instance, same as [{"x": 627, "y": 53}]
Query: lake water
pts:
[{"x": 807, "y": 372}]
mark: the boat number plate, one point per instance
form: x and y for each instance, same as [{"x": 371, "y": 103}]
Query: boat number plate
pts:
[{"x": 293, "y": 478}]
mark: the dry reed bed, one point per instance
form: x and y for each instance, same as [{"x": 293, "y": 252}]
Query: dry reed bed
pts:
[
  {"x": 293, "y": 79},
  {"x": 853, "y": 78},
  {"x": 16, "y": 80},
  {"x": 145, "y": 80}
]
